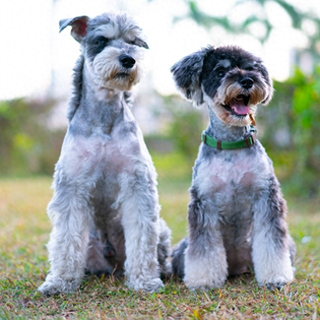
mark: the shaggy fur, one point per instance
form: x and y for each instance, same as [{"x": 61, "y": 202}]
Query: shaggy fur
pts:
[
  {"x": 105, "y": 210},
  {"x": 237, "y": 212}
]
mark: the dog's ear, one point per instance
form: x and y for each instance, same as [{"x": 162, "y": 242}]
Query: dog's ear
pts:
[
  {"x": 79, "y": 26},
  {"x": 269, "y": 84},
  {"x": 186, "y": 74}
]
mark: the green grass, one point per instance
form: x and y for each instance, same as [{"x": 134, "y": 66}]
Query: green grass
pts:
[{"x": 25, "y": 228}]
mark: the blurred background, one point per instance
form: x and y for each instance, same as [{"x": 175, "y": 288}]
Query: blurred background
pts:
[{"x": 36, "y": 69}]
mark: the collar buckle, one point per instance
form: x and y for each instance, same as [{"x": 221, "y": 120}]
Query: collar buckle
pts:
[
  {"x": 249, "y": 141},
  {"x": 204, "y": 137}
]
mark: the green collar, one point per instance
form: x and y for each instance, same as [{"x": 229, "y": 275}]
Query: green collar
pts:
[{"x": 226, "y": 145}]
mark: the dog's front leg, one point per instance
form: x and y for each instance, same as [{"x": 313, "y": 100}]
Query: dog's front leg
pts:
[
  {"x": 140, "y": 219},
  {"x": 68, "y": 242},
  {"x": 272, "y": 247},
  {"x": 205, "y": 259}
]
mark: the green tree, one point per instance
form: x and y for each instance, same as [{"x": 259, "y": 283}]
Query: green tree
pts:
[
  {"x": 291, "y": 131},
  {"x": 27, "y": 146},
  {"x": 260, "y": 15}
]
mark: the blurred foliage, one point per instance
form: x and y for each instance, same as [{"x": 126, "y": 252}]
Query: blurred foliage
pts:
[
  {"x": 184, "y": 126},
  {"x": 291, "y": 131},
  {"x": 26, "y": 145},
  {"x": 259, "y": 15}
]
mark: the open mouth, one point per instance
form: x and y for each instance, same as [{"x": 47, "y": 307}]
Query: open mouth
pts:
[{"x": 239, "y": 105}]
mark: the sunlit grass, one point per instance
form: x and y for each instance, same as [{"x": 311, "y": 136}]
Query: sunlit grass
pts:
[{"x": 25, "y": 228}]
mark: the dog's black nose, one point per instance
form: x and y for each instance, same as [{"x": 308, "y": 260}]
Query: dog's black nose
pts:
[
  {"x": 246, "y": 82},
  {"x": 127, "y": 61}
]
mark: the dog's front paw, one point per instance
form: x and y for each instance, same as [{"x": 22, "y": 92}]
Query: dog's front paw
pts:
[
  {"x": 152, "y": 285},
  {"x": 202, "y": 285},
  {"x": 193, "y": 282},
  {"x": 275, "y": 286},
  {"x": 276, "y": 282},
  {"x": 52, "y": 287},
  {"x": 195, "y": 288},
  {"x": 200, "y": 281},
  {"x": 275, "y": 275},
  {"x": 49, "y": 288}
]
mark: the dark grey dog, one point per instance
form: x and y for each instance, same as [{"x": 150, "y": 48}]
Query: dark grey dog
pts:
[
  {"x": 105, "y": 210},
  {"x": 237, "y": 213}
]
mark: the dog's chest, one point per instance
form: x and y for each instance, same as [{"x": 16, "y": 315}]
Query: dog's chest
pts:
[
  {"x": 232, "y": 182},
  {"x": 100, "y": 160}
]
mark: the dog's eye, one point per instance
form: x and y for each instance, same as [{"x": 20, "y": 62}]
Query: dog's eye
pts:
[
  {"x": 250, "y": 68},
  {"x": 101, "y": 41},
  {"x": 220, "y": 74}
]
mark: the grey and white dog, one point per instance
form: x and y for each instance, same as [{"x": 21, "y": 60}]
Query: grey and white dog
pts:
[
  {"x": 236, "y": 215},
  {"x": 105, "y": 210}
]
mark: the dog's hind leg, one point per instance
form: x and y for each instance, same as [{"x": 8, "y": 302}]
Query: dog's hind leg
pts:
[
  {"x": 292, "y": 249},
  {"x": 97, "y": 257},
  {"x": 273, "y": 249},
  {"x": 205, "y": 257},
  {"x": 138, "y": 199},
  {"x": 164, "y": 249},
  {"x": 69, "y": 212},
  {"x": 178, "y": 257}
]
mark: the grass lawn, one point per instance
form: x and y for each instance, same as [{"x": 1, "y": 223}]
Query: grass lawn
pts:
[{"x": 25, "y": 228}]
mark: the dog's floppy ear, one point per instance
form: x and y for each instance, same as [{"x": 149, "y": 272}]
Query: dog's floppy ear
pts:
[
  {"x": 269, "y": 84},
  {"x": 186, "y": 74},
  {"x": 79, "y": 26}
]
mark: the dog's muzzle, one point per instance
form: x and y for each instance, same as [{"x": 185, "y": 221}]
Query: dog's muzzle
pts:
[{"x": 239, "y": 105}]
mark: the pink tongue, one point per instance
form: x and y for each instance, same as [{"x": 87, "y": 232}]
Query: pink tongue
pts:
[{"x": 238, "y": 106}]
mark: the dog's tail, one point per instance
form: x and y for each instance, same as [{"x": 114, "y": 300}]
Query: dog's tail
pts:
[{"x": 178, "y": 254}]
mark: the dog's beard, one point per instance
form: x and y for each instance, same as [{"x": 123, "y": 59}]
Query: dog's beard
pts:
[
  {"x": 236, "y": 105},
  {"x": 109, "y": 74}
]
